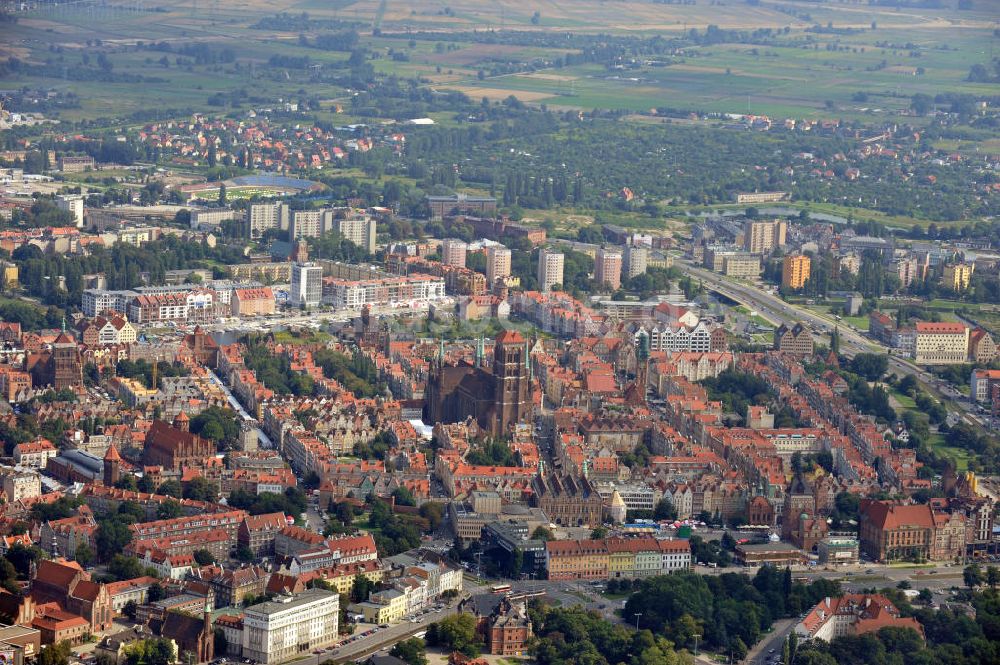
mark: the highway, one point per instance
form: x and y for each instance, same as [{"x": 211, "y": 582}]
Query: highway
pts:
[{"x": 777, "y": 311}]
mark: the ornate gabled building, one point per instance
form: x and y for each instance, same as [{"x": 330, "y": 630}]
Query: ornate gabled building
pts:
[
  {"x": 497, "y": 396},
  {"x": 567, "y": 500},
  {"x": 508, "y": 629}
]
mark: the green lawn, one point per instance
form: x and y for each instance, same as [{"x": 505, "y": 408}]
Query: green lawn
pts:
[
  {"x": 287, "y": 337},
  {"x": 904, "y": 401},
  {"x": 859, "y": 322},
  {"x": 959, "y": 456}
]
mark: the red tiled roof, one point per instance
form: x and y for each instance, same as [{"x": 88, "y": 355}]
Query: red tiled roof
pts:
[
  {"x": 510, "y": 337},
  {"x": 927, "y": 327}
]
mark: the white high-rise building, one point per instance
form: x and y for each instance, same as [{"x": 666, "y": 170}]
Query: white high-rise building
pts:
[
  {"x": 72, "y": 203},
  {"x": 636, "y": 260},
  {"x": 453, "y": 252},
  {"x": 497, "y": 264},
  {"x": 307, "y": 285},
  {"x": 264, "y": 216},
  {"x": 550, "y": 269},
  {"x": 310, "y": 223},
  {"x": 290, "y": 626},
  {"x": 359, "y": 230}
]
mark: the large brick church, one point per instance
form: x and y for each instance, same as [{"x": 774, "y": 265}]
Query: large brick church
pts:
[
  {"x": 174, "y": 446},
  {"x": 497, "y": 394}
]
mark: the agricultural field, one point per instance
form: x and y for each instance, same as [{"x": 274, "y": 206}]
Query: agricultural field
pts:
[{"x": 834, "y": 60}]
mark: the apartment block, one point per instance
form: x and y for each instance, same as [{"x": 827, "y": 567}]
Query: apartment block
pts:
[
  {"x": 608, "y": 267},
  {"x": 636, "y": 260},
  {"x": 497, "y": 264},
  {"x": 795, "y": 271},
  {"x": 957, "y": 277},
  {"x": 264, "y": 216},
  {"x": 763, "y": 237},
  {"x": 307, "y": 285},
  {"x": 453, "y": 252},
  {"x": 359, "y": 229},
  {"x": 550, "y": 269}
]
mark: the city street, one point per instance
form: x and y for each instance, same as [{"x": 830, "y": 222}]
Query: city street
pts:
[
  {"x": 777, "y": 311},
  {"x": 770, "y": 645},
  {"x": 384, "y": 638}
]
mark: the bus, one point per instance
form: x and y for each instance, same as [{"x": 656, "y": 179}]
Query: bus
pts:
[{"x": 500, "y": 588}]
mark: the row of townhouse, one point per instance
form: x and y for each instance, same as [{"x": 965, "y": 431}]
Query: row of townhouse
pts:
[
  {"x": 418, "y": 586},
  {"x": 612, "y": 558}
]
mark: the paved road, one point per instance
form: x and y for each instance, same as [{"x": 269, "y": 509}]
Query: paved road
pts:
[
  {"x": 383, "y": 639},
  {"x": 578, "y": 592},
  {"x": 262, "y": 438},
  {"x": 771, "y": 644},
  {"x": 777, "y": 311}
]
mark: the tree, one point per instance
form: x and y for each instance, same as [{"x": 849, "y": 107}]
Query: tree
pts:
[
  {"x": 872, "y": 366},
  {"x": 412, "y": 651},
  {"x": 665, "y": 510},
  {"x": 739, "y": 649},
  {"x": 344, "y": 512},
  {"x": 222, "y": 194},
  {"x": 171, "y": 488},
  {"x": 23, "y": 558},
  {"x": 129, "y": 609},
  {"x": 455, "y": 633},
  {"x": 169, "y": 510},
  {"x": 361, "y": 588},
  {"x": 155, "y": 592},
  {"x": 921, "y": 104},
  {"x": 542, "y": 533},
  {"x": 84, "y": 555},
  {"x": 221, "y": 643},
  {"x": 244, "y": 554},
  {"x": 55, "y": 654},
  {"x": 925, "y": 595},
  {"x": 8, "y": 577},
  {"x": 433, "y": 512},
  {"x": 131, "y": 512},
  {"x": 124, "y": 567},
  {"x": 200, "y": 489},
  {"x": 153, "y": 651},
  {"x": 112, "y": 536},
  {"x": 972, "y": 575},
  {"x": 204, "y": 557},
  {"x": 403, "y": 496},
  {"x": 599, "y": 533},
  {"x": 992, "y": 576}
]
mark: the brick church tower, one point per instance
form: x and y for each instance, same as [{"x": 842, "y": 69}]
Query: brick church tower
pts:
[{"x": 512, "y": 383}]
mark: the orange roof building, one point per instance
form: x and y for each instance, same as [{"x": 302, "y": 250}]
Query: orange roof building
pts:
[{"x": 852, "y": 614}]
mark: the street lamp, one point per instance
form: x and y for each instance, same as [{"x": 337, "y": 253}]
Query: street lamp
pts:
[{"x": 637, "y": 615}]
